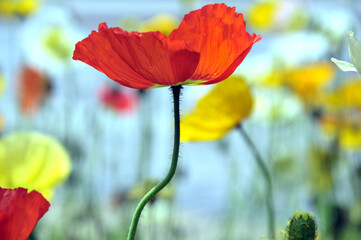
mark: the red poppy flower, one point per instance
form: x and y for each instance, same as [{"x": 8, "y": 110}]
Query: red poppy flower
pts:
[
  {"x": 207, "y": 47},
  {"x": 33, "y": 88},
  {"x": 19, "y": 212},
  {"x": 119, "y": 99}
]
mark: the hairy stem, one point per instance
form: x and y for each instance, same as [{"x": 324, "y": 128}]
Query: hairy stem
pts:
[{"x": 151, "y": 194}]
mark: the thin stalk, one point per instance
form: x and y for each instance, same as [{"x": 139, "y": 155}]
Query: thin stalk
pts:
[
  {"x": 146, "y": 137},
  {"x": 267, "y": 176},
  {"x": 151, "y": 194}
]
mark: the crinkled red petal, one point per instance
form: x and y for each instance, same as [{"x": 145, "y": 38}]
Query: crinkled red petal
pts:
[
  {"x": 19, "y": 212},
  {"x": 137, "y": 60},
  {"x": 219, "y": 34}
]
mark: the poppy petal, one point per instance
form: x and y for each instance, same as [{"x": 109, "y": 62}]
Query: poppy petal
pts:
[
  {"x": 38, "y": 162},
  {"x": 137, "y": 60},
  {"x": 32, "y": 90},
  {"x": 219, "y": 34},
  {"x": 19, "y": 212},
  {"x": 224, "y": 107}
]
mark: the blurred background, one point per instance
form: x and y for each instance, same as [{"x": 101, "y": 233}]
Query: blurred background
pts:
[{"x": 93, "y": 147}]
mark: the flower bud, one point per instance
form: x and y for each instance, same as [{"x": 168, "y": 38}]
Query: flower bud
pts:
[{"x": 302, "y": 226}]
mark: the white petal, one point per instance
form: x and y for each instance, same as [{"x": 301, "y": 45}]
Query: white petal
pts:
[
  {"x": 355, "y": 51},
  {"x": 344, "y": 66}
]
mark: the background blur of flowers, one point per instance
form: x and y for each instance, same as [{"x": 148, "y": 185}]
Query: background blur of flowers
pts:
[{"x": 110, "y": 143}]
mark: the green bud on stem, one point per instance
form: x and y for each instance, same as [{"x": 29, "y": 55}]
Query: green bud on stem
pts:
[{"x": 302, "y": 226}]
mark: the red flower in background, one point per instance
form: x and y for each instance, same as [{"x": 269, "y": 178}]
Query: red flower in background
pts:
[
  {"x": 33, "y": 88},
  {"x": 118, "y": 99},
  {"x": 19, "y": 212},
  {"x": 207, "y": 47}
]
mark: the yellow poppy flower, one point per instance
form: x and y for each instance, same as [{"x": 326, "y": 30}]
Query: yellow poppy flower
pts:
[
  {"x": 34, "y": 161},
  {"x": 271, "y": 15},
  {"x": 225, "y": 106},
  {"x": 13, "y": 8},
  {"x": 349, "y": 94},
  {"x": 57, "y": 43},
  {"x": 342, "y": 115},
  {"x": 306, "y": 81},
  {"x": 164, "y": 23},
  {"x": 49, "y": 40},
  {"x": 262, "y": 15},
  {"x": 351, "y": 138},
  {"x": 309, "y": 80}
]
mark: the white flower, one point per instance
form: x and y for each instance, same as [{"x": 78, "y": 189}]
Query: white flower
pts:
[
  {"x": 48, "y": 40},
  {"x": 355, "y": 55}
]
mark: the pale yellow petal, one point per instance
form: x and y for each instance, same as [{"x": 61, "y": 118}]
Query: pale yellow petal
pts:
[
  {"x": 32, "y": 160},
  {"x": 223, "y": 108}
]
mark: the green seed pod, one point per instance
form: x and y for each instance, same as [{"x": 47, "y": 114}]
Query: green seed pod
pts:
[{"x": 302, "y": 226}]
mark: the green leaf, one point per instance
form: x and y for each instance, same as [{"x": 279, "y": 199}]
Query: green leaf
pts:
[{"x": 344, "y": 66}]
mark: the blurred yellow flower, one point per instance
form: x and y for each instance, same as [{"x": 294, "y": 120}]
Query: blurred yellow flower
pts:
[
  {"x": 306, "y": 81},
  {"x": 222, "y": 109},
  {"x": 57, "y": 43},
  {"x": 342, "y": 114},
  {"x": 262, "y": 15},
  {"x": 271, "y": 15},
  {"x": 347, "y": 95},
  {"x": 164, "y": 23},
  {"x": 34, "y": 161},
  {"x": 13, "y": 8},
  {"x": 48, "y": 40}
]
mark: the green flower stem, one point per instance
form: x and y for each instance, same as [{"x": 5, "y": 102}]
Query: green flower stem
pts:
[
  {"x": 261, "y": 164},
  {"x": 151, "y": 194}
]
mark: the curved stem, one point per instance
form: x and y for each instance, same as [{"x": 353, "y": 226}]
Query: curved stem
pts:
[
  {"x": 151, "y": 194},
  {"x": 265, "y": 172}
]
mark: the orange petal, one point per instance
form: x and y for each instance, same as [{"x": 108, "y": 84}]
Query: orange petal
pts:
[
  {"x": 137, "y": 60},
  {"x": 32, "y": 90},
  {"x": 219, "y": 34}
]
